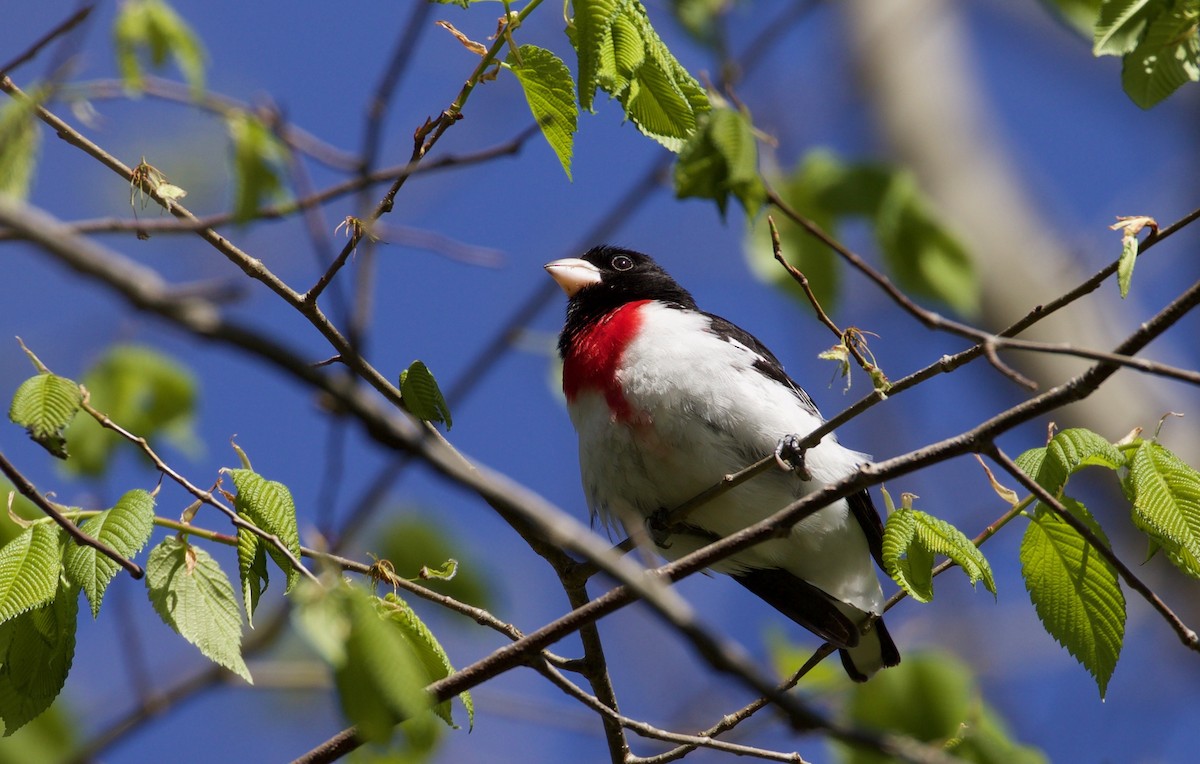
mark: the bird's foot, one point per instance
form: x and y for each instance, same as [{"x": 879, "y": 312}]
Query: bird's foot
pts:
[
  {"x": 658, "y": 525},
  {"x": 790, "y": 457}
]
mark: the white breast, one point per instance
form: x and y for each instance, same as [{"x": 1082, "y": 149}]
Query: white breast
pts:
[{"x": 703, "y": 411}]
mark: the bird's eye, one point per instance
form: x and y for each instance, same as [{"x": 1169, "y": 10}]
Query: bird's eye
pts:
[{"x": 622, "y": 262}]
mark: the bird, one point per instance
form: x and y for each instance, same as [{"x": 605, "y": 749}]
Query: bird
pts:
[{"x": 667, "y": 400}]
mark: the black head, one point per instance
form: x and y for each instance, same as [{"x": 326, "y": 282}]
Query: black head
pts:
[{"x": 608, "y": 277}]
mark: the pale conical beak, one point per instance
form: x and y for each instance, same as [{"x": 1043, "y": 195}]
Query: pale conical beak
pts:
[{"x": 573, "y": 274}]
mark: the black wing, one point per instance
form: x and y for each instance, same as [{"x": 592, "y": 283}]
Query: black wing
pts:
[
  {"x": 802, "y": 602},
  {"x": 766, "y": 363}
]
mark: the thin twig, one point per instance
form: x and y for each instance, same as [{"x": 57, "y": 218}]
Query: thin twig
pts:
[
  {"x": 206, "y": 497},
  {"x": 59, "y": 30},
  {"x": 27, "y": 489}
]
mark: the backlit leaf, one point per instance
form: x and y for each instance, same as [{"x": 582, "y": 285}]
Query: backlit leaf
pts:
[
  {"x": 550, "y": 93},
  {"x": 29, "y": 568},
  {"x": 44, "y": 405},
  {"x": 126, "y": 528},
  {"x": 1074, "y": 590},
  {"x": 193, "y": 596},
  {"x": 36, "y": 652}
]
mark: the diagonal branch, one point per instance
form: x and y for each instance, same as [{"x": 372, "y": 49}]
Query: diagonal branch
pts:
[{"x": 28, "y": 490}]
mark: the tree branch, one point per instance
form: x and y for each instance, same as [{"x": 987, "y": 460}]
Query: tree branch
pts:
[{"x": 27, "y": 489}]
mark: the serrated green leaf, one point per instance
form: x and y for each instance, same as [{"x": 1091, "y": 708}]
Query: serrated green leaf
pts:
[
  {"x": 1166, "y": 57},
  {"x": 1165, "y": 493},
  {"x": 592, "y": 26},
  {"x": 422, "y": 396},
  {"x": 20, "y": 139},
  {"x": 29, "y": 568},
  {"x": 1070, "y": 451},
  {"x": 36, "y": 652},
  {"x": 620, "y": 53},
  {"x": 258, "y": 162},
  {"x": 252, "y": 571},
  {"x": 428, "y": 650},
  {"x": 151, "y": 29},
  {"x": 44, "y": 405},
  {"x": 1121, "y": 24},
  {"x": 269, "y": 506},
  {"x": 1030, "y": 462},
  {"x": 126, "y": 528},
  {"x": 193, "y": 596},
  {"x": 912, "y": 538},
  {"x": 142, "y": 389},
  {"x": 721, "y": 159},
  {"x": 1074, "y": 590},
  {"x": 550, "y": 93}
]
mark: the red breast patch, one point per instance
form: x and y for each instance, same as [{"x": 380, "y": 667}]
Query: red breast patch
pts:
[{"x": 596, "y": 355}]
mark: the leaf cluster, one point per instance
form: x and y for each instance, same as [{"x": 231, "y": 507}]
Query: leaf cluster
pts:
[{"x": 381, "y": 653}]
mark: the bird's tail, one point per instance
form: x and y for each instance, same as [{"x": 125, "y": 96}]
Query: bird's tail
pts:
[{"x": 875, "y": 650}]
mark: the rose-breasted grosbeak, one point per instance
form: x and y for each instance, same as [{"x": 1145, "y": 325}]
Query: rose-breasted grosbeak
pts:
[{"x": 668, "y": 399}]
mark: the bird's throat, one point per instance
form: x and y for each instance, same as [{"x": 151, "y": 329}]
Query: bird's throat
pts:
[{"x": 595, "y": 354}]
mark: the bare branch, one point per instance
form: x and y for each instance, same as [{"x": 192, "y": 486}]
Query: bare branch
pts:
[{"x": 59, "y": 30}]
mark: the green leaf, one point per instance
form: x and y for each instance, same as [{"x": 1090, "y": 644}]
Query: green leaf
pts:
[
  {"x": 269, "y": 506},
  {"x": 620, "y": 53},
  {"x": 1121, "y": 24},
  {"x": 259, "y": 159},
  {"x": 1165, "y": 493},
  {"x": 721, "y": 159},
  {"x": 29, "y": 568},
  {"x": 36, "y": 652},
  {"x": 1074, "y": 590},
  {"x": 912, "y": 538},
  {"x": 935, "y": 699},
  {"x": 806, "y": 192},
  {"x": 193, "y": 596},
  {"x": 921, "y": 252},
  {"x": 20, "y": 140},
  {"x": 1030, "y": 462},
  {"x": 44, "y": 405},
  {"x": 1070, "y": 451},
  {"x": 1082, "y": 15},
  {"x": 422, "y": 396},
  {"x": 592, "y": 26},
  {"x": 428, "y": 650},
  {"x": 550, "y": 93},
  {"x": 252, "y": 571},
  {"x": 1164, "y": 59},
  {"x": 410, "y": 541},
  {"x": 126, "y": 528},
  {"x": 699, "y": 18},
  {"x": 1129, "y": 254},
  {"x": 146, "y": 392},
  {"x": 380, "y": 680},
  {"x": 150, "y": 29}
]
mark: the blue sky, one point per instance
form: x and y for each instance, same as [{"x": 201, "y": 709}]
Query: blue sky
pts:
[{"x": 1085, "y": 152}]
